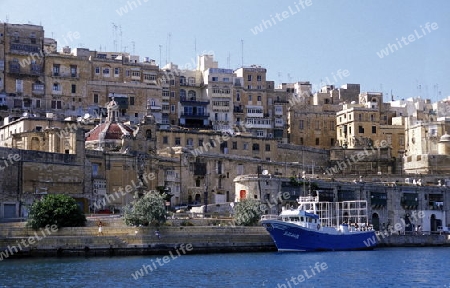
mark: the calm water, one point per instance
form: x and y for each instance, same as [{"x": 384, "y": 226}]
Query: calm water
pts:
[{"x": 393, "y": 267}]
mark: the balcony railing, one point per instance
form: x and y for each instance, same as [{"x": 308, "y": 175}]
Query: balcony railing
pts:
[
  {"x": 194, "y": 115},
  {"x": 65, "y": 75},
  {"x": 191, "y": 100}
]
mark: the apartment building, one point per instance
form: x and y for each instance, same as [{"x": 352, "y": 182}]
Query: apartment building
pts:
[
  {"x": 22, "y": 58},
  {"x": 254, "y": 101}
]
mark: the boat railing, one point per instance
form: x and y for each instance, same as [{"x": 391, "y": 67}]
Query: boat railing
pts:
[
  {"x": 308, "y": 199},
  {"x": 269, "y": 217}
]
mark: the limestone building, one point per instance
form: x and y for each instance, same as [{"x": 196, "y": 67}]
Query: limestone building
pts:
[{"x": 22, "y": 67}]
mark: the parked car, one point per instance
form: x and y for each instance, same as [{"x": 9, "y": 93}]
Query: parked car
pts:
[
  {"x": 180, "y": 207},
  {"x": 443, "y": 229}
]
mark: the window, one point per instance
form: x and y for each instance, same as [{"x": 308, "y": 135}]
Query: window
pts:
[
  {"x": 190, "y": 142},
  {"x": 56, "y": 69},
  {"x": 19, "y": 85},
  {"x": 135, "y": 73},
  {"x": 259, "y": 98},
  {"x": 249, "y": 77},
  {"x": 238, "y": 96},
  {"x": 301, "y": 125},
  {"x": 172, "y": 108},
  {"x": 267, "y": 147},
  {"x": 131, "y": 100},
  {"x": 258, "y": 78},
  {"x": 361, "y": 129},
  {"x": 226, "y": 79},
  {"x": 317, "y": 141},
  {"x": 97, "y": 70},
  {"x": 38, "y": 103},
  {"x": 371, "y": 118},
  {"x": 200, "y": 142},
  {"x": 116, "y": 71},
  {"x": 172, "y": 94},
  {"x": 172, "y": 82},
  {"x": 374, "y": 129},
  {"x": 249, "y": 98},
  {"x": 73, "y": 70},
  {"x": 214, "y": 79},
  {"x": 177, "y": 141},
  {"x": 234, "y": 145},
  {"x": 150, "y": 77},
  {"x": 301, "y": 140},
  {"x": 182, "y": 94},
  {"x": 95, "y": 98},
  {"x": 317, "y": 125},
  {"x": 56, "y": 104},
  {"x": 332, "y": 142},
  {"x": 191, "y": 95},
  {"x": 255, "y": 147},
  {"x": 106, "y": 72},
  {"x": 74, "y": 88},
  {"x": 245, "y": 146},
  {"x": 240, "y": 169},
  {"x": 56, "y": 87}
]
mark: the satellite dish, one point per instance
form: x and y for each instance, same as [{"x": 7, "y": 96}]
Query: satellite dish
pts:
[{"x": 265, "y": 172}]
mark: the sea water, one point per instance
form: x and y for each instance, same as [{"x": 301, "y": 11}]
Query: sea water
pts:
[{"x": 383, "y": 267}]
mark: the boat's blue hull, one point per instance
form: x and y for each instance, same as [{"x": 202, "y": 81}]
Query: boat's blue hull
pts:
[{"x": 291, "y": 237}]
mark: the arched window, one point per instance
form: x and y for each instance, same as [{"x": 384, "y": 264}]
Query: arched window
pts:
[
  {"x": 182, "y": 94},
  {"x": 191, "y": 95}
]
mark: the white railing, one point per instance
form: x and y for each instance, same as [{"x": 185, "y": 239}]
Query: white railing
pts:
[{"x": 269, "y": 217}]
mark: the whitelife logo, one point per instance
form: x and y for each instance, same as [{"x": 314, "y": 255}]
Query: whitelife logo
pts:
[
  {"x": 407, "y": 40},
  {"x": 265, "y": 24}
]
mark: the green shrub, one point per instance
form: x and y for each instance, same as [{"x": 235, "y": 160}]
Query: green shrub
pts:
[{"x": 56, "y": 209}]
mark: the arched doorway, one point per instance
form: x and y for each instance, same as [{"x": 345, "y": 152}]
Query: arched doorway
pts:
[
  {"x": 433, "y": 224},
  {"x": 376, "y": 221},
  {"x": 409, "y": 227},
  {"x": 198, "y": 198}
]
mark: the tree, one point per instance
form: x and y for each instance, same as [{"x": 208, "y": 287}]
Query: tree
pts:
[
  {"x": 150, "y": 209},
  {"x": 56, "y": 209},
  {"x": 247, "y": 212}
]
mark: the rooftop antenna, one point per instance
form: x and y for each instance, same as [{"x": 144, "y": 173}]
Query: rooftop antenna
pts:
[
  {"x": 419, "y": 88},
  {"x": 160, "y": 49},
  {"x": 195, "y": 45},
  {"x": 242, "y": 52},
  {"x": 114, "y": 26},
  {"x": 228, "y": 60},
  {"x": 167, "y": 41},
  {"x": 134, "y": 46},
  {"x": 169, "y": 36},
  {"x": 120, "y": 34}
]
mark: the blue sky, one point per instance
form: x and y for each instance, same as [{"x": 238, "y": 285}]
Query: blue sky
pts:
[{"x": 309, "y": 44}]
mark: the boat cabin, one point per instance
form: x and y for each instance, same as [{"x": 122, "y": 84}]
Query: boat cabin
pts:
[{"x": 300, "y": 217}]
